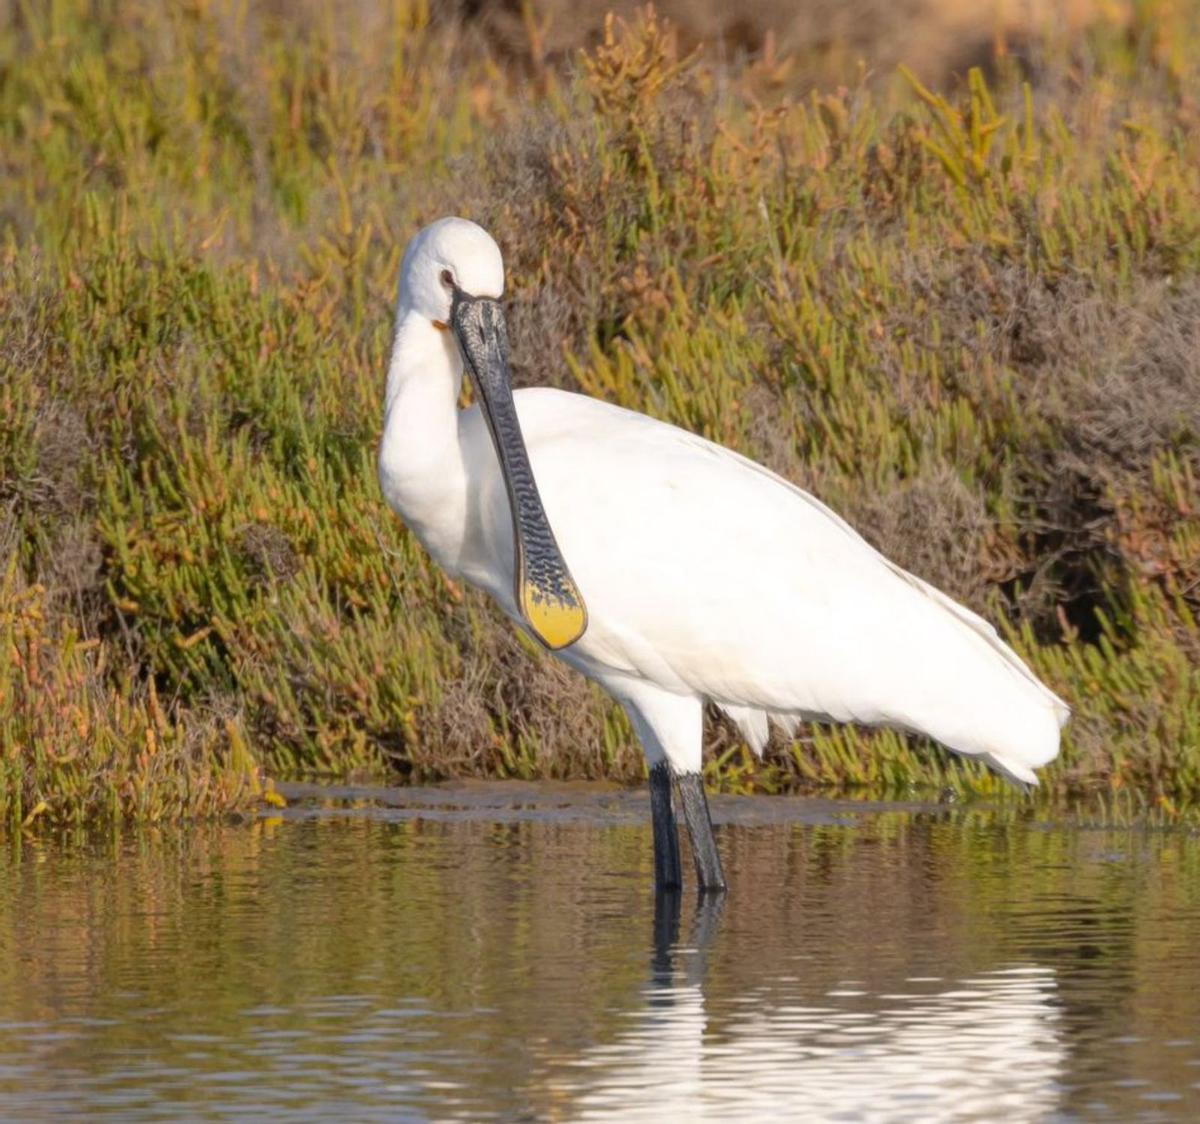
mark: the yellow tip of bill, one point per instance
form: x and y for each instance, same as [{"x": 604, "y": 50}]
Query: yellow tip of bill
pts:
[{"x": 555, "y": 622}]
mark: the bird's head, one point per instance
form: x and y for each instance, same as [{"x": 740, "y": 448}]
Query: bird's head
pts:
[
  {"x": 447, "y": 257},
  {"x": 453, "y": 276}
]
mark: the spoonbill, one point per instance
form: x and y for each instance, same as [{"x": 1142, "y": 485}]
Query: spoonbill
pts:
[{"x": 671, "y": 570}]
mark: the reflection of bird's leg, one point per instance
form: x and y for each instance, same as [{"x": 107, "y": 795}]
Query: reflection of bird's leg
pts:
[
  {"x": 699, "y": 822},
  {"x": 667, "y": 873},
  {"x": 704, "y": 928},
  {"x": 666, "y": 935}
]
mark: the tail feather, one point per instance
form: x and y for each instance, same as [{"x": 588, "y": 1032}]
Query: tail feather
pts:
[{"x": 1014, "y": 770}]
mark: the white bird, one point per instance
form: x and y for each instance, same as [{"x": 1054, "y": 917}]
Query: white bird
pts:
[{"x": 670, "y": 570}]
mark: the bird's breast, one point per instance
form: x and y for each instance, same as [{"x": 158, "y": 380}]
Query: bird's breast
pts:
[{"x": 432, "y": 503}]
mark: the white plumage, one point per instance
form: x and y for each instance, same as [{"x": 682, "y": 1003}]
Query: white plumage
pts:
[{"x": 705, "y": 576}]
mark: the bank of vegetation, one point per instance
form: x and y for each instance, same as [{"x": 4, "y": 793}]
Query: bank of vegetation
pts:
[{"x": 966, "y": 317}]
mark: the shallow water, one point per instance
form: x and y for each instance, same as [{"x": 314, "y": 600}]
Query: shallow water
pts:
[{"x": 494, "y": 951}]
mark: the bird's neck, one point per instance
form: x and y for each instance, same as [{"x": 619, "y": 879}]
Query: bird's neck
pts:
[
  {"x": 420, "y": 460},
  {"x": 425, "y": 371}
]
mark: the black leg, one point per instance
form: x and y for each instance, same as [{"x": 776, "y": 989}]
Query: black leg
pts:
[
  {"x": 699, "y": 822},
  {"x": 667, "y": 873}
]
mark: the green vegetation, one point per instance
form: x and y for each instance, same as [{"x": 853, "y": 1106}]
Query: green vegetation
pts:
[{"x": 970, "y": 322}]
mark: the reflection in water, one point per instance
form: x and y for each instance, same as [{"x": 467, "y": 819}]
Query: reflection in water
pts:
[
  {"x": 460, "y": 956},
  {"x": 985, "y": 1047}
]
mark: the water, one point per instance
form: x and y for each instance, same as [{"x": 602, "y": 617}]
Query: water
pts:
[{"x": 495, "y": 952}]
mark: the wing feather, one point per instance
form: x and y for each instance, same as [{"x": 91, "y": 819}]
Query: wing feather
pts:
[{"x": 708, "y": 574}]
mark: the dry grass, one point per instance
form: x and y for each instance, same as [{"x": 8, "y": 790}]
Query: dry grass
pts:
[{"x": 966, "y": 320}]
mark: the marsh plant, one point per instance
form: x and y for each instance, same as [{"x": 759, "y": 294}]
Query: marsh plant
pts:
[{"x": 966, "y": 317}]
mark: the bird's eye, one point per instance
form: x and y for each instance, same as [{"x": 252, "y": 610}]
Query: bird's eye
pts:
[{"x": 448, "y": 278}]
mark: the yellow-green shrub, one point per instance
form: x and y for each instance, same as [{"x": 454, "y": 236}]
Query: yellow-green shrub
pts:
[{"x": 967, "y": 319}]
